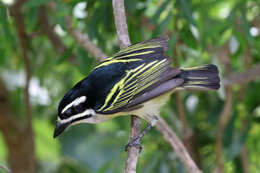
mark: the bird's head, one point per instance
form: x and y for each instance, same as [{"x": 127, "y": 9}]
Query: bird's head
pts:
[{"x": 74, "y": 108}]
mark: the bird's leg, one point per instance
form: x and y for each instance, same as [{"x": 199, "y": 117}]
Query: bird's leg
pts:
[{"x": 136, "y": 141}]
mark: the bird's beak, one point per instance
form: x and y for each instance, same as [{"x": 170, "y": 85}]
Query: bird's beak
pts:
[{"x": 60, "y": 127}]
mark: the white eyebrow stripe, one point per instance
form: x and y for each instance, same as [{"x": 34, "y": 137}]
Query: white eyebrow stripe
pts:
[
  {"x": 76, "y": 102},
  {"x": 82, "y": 114}
]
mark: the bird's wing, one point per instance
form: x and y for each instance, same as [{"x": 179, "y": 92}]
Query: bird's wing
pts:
[
  {"x": 146, "y": 68},
  {"x": 136, "y": 81},
  {"x": 147, "y": 51}
]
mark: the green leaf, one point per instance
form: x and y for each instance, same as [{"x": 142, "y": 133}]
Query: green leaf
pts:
[
  {"x": 163, "y": 25},
  {"x": 159, "y": 11},
  {"x": 186, "y": 10},
  {"x": 4, "y": 23}
]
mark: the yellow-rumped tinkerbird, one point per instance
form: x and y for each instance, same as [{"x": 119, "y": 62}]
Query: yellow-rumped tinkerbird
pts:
[{"x": 137, "y": 80}]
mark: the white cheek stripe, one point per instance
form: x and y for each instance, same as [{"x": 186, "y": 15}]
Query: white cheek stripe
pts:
[
  {"x": 76, "y": 102},
  {"x": 82, "y": 114}
]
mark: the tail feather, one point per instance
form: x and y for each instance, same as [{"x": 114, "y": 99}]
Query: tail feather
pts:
[{"x": 204, "y": 77}]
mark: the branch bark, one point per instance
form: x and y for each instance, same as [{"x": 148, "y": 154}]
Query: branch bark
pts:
[
  {"x": 244, "y": 159},
  {"x": 243, "y": 77},
  {"x": 19, "y": 137},
  {"x": 120, "y": 22},
  {"x": 48, "y": 30},
  {"x": 169, "y": 135},
  {"x": 224, "y": 117},
  {"x": 188, "y": 136},
  {"x": 124, "y": 41},
  {"x": 5, "y": 168},
  {"x": 84, "y": 41},
  {"x": 179, "y": 148},
  {"x": 223, "y": 56}
]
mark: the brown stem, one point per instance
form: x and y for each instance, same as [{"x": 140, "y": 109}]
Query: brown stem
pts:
[
  {"x": 188, "y": 137},
  {"x": 244, "y": 159},
  {"x": 187, "y": 133},
  {"x": 84, "y": 41},
  {"x": 5, "y": 168},
  {"x": 17, "y": 138},
  {"x": 244, "y": 152},
  {"x": 243, "y": 77},
  {"x": 48, "y": 30},
  {"x": 120, "y": 22},
  {"x": 223, "y": 56},
  {"x": 20, "y": 141},
  {"x": 224, "y": 117},
  {"x": 179, "y": 148},
  {"x": 124, "y": 41},
  {"x": 133, "y": 152}
]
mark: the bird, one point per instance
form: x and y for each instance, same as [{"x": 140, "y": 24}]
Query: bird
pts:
[{"x": 137, "y": 80}]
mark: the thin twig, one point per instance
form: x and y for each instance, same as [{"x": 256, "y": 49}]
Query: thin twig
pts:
[
  {"x": 48, "y": 30},
  {"x": 83, "y": 40},
  {"x": 7, "y": 170},
  {"x": 245, "y": 159},
  {"x": 179, "y": 148},
  {"x": 24, "y": 38},
  {"x": 188, "y": 137},
  {"x": 124, "y": 41},
  {"x": 243, "y": 77},
  {"x": 120, "y": 22},
  {"x": 16, "y": 11},
  {"x": 223, "y": 56},
  {"x": 224, "y": 117}
]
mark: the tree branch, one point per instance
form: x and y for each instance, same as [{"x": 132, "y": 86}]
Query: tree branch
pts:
[
  {"x": 224, "y": 117},
  {"x": 84, "y": 41},
  {"x": 177, "y": 145},
  {"x": 5, "y": 168},
  {"x": 124, "y": 41},
  {"x": 188, "y": 137},
  {"x": 16, "y": 137},
  {"x": 120, "y": 22},
  {"x": 169, "y": 135},
  {"x": 243, "y": 77},
  {"x": 16, "y": 12},
  {"x": 7, "y": 123},
  {"x": 48, "y": 30},
  {"x": 24, "y": 38},
  {"x": 245, "y": 159},
  {"x": 223, "y": 56}
]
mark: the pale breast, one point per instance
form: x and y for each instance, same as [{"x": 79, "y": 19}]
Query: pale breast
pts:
[
  {"x": 149, "y": 111},
  {"x": 151, "y": 108}
]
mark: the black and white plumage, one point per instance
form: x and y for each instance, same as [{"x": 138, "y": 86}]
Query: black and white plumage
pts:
[{"x": 137, "y": 80}]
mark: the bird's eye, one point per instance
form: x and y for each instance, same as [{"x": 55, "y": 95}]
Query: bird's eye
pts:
[{"x": 66, "y": 114}]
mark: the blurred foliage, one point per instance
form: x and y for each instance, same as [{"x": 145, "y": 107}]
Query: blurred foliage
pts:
[{"x": 198, "y": 29}]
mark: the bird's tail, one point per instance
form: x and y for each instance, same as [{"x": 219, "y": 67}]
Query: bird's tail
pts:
[{"x": 203, "y": 77}]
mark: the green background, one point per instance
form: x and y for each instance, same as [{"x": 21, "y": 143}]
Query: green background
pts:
[{"x": 222, "y": 32}]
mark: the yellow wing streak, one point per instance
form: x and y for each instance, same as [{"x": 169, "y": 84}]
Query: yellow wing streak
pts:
[
  {"x": 142, "y": 82},
  {"x": 152, "y": 70},
  {"x": 149, "y": 81},
  {"x": 125, "y": 81},
  {"x": 128, "y": 86},
  {"x": 119, "y": 84},
  {"x": 145, "y": 77},
  {"x": 135, "y": 54},
  {"x": 105, "y": 63},
  {"x": 136, "y": 48}
]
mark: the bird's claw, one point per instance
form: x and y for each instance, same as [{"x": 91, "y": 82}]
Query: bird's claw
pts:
[{"x": 135, "y": 142}]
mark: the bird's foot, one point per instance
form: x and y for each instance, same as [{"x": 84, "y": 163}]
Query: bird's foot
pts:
[{"x": 134, "y": 142}]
